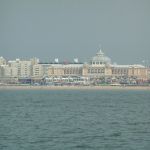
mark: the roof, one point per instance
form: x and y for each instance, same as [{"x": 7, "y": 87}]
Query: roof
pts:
[
  {"x": 128, "y": 66},
  {"x": 100, "y": 57}
]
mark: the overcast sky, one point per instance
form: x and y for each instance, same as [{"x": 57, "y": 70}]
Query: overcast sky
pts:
[{"x": 67, "y": 29}]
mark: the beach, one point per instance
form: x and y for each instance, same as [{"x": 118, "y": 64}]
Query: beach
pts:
[{"x": 20, "y": 87}]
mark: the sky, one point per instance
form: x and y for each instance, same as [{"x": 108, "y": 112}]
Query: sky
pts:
[{"x": 68, "y": 29}]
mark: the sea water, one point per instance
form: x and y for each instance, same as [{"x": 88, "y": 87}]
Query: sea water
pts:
[{"x": 74, "y": 120}]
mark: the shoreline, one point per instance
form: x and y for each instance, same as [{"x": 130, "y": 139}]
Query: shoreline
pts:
[{"x": 20, "y": 87}]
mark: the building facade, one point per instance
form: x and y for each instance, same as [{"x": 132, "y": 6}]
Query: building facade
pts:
[{"x": 98, "y": 67}]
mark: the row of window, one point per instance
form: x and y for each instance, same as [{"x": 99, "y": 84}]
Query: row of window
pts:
[
  {"x": 119, "y": 71},
  {"x": 97, "y": 63},
  {"x": 96, "y": 70}
]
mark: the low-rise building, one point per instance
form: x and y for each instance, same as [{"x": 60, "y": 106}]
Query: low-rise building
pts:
[
  {"x": 38, "y": 71},
  {"x": 119, "y": 70},
  {"x": 138, "y": 71},
  {"x": 55, "y": 70}
]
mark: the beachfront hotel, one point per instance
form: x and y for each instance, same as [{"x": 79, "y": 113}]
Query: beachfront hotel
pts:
[{"x": 98, "y": 70}]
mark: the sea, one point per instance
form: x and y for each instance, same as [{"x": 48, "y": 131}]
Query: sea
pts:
[{"x": 74, "y": 119}]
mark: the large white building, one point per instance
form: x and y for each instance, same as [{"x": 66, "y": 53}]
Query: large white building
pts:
[{"x": 20, "y": 68}]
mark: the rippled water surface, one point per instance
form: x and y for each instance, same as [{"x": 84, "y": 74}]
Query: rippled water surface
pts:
[{"x": 74, "y": 120}]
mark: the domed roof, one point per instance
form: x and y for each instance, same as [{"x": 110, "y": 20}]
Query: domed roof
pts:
[{"x": 100, "y": 58}]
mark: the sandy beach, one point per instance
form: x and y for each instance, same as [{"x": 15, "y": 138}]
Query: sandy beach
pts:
[{"x": 74, "y": 87}]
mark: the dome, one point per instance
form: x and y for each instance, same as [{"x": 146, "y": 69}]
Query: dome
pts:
[{"x": 100, "y": 58}]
